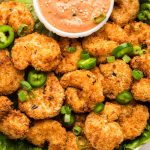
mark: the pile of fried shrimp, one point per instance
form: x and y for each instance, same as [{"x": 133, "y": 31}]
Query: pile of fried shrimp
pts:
[{"x": 38, "y": 119}]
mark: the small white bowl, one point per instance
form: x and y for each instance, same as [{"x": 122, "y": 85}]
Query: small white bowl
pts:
[{"x": 68, "y": 34}]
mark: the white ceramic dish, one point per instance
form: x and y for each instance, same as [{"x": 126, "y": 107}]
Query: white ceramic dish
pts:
[{"x": 67, "y": 34}]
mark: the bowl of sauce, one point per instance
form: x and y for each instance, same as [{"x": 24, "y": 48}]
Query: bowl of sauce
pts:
[{"x": 73, "y": 18}]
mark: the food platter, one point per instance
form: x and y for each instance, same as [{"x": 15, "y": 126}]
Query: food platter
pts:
[{"x": 74, "y": 75}]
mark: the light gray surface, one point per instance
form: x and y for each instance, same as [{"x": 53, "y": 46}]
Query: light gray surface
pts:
[{"x": 145, "y": 147}]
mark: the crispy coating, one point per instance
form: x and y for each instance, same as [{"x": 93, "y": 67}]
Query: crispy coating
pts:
[
  {"x": 112, "y": 111},
  {"x": 133, "y": 120},
  {"x": 40, "y": 51},
  {"x": 138, "y": 32},
  {"x": 10, "y": 77},
  {"x": 117, "y": 78},
  {"x": 102, "y": 43},
  {"x": 15, "y": 125},
  {"x": 47, "y": 101},
  {"x": 125, "y": 11},
  {"x": 5, "y": 106},
  {"x": 49, "y": 131},
  {"x": 103, "y": 135},
  {"x": 15, "y": 14},
  {"x": 83, "y": 90},
  {"x": 73, "y": 142},
  {"x": 116, "y": 33},
  {"x": 142, "y": 63},
  {"x": 99, "y": 47},
  {"x": 69, "y": 60},
  {"x": 141, "y": 90}
]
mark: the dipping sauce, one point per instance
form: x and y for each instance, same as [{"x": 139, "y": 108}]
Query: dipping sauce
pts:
[{"x": 74, "y": 16}]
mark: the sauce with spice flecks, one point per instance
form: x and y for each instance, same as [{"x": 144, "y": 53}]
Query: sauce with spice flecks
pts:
[{"x": 73, "y": 15}]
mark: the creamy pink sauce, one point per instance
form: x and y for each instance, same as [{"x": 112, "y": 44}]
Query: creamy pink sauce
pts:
[{"x": 73, "y": 15}]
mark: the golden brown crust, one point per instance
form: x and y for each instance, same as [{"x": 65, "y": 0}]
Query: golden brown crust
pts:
[
  {"x": 69, "y": 60},
  {"x": 49, "y": 131},
  {"x": 103, "y": 135},
  {"x": 138, "y": 32},
  {"x": 42, "y": 52},
  {"x": 117, "y": 78},
  {"x": 141, "y": 90},
  {"x": 116, "y": 33},
  {"x": 99, "y": 47},
  {"x": 83, "y": 90},
  {"x": 5, "y": 106},
  {"x": 10, "y": 77},
  {"x": 47, "y": 101},
  {"x": 125, "y": 11},
  {"x": 71, "y": 143},
  {"x": 142, "y": 63},
  {"x": 15, "y": 14},
  {"x": 111, "y": 111},
  {"x": 133, "y": 120},
  {"x": 15, "y": 125}
]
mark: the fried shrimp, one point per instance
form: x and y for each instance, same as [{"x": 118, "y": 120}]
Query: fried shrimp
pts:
[
  {"x": 16, "y": 14},
  {"x": 138, "y": 32},
  {"x": 102, "y": 135},
  {"x": 40, "y": 51},
  {"x": 115, "y": 123},
  {"x": 125, "y": 11},
  {"x": 102, "y": 43},
  {"x": 83, "y": 90},
  {"x": 141, "y": 90},
  {"x": 77, "y": 143},
  {"x": 5, "y": 106},
  {"x": 112, "y": 111},
  {"x": 115, "y": 33},
  {"x": 15, "y": 125},
  {"x": 10, "y": 77},
  {"x": 142, "y": 63},
  {"x": 133, "y": 120},
  {"x": 70, "y": 59},
  {"x": 47, "y": 101},
  {"x": 117, "y": 78},
  {"x": 99, "y": 47},
  {"x": 49, "y": 131},
  {"x": 71, "y": 143}
]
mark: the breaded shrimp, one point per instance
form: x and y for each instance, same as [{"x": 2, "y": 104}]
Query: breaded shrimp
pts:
[
  {"x": 10, "y": 77},
  {"x": 15, "y": 125},
  {"x": 117, "y": 78},
  {"x": 116, "y": 33},
  {"x": 99, "y": 47},
  {"x": 138, "y": 32},
  {"x": 133, "y": 120},
  {"x": 40, "y": 51},
  {"x": 112, "y": 111},
  {"x": 71, "y": 143},
  {"x": 141, "y": 90},
  {"x": 5, "y": 106},
  {"x": 48, "y": 131},
  {"x": 125, "y": 11},
  {"x": 102, "y": 135},
  {"x": 77, "y": 143},
  {"x": 142, "y": 63},
  {"x": 16, "y": 14},
  {"x": 69, "y": 60},
  {"x": 47, "y": 101},
  {"x": 83, "y": 90}
]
